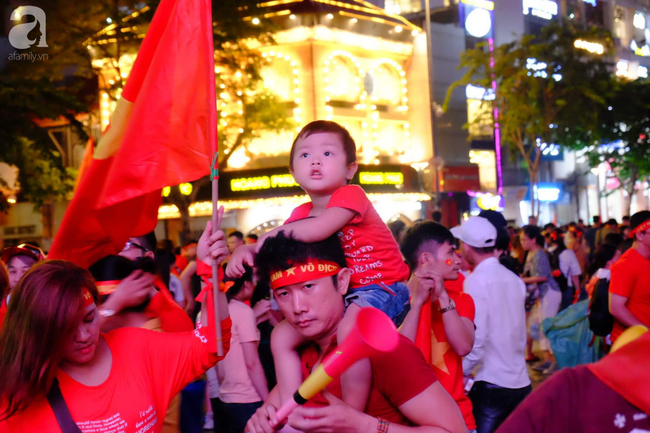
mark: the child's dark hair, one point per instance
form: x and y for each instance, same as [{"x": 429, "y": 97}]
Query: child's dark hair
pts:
[
  {"x": 425, "y": 233},
  {"x": 282, "y": 252},
  {"x": 533, "y": 232},
  {"x": 239, "y": 282},
  {"x": 321, "y": 126}
]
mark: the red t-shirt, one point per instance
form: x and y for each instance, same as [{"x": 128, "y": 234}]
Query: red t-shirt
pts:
[
  {"x": 397, "y": 377},
  {"x": 575, "y": 400},
  {"x": 149, "y": 368},
  {"x": 172, "y": 317},
  {"x": 447, "y": 365},
  {"x": 370, "y": 249},
  {"x": 631, "y": 279}
]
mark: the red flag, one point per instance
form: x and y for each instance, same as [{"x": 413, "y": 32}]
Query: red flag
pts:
[
  {"x": 163, "y": 132},
  {"x": 86, "y": 162}
]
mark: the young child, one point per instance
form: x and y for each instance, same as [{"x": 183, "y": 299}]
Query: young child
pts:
[{"x": 323, "y": 161}]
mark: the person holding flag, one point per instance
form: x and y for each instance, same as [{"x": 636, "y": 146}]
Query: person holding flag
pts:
[{"x": 60, "y": 371}]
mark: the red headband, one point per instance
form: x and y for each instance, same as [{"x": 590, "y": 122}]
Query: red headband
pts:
[
  {"x": 311, "y": 270},
  {"x": 640, "y": 228},
  {"x": 107, "y": 287},
  {"x": 88, "y": 297}
]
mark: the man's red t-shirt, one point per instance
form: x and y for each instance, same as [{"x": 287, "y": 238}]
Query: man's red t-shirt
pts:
[
  {"x": 397, "y": 377},
  {"x": 447, "y": 365},
  {"x": 370, "y": 249},
  {"x": 148, "y": 369},
  {"x": 631, "y": 279}
]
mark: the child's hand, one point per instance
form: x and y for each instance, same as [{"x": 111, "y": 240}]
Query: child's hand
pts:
[
  {"x": 212, "y": 244},
  {"x": 243, "y": 255}
]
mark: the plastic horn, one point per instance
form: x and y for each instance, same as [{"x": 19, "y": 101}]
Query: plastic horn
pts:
[{"x": 372, "y": 333}]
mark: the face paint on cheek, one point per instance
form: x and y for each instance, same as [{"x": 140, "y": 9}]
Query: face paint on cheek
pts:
[{"x": 448, "y": 262}]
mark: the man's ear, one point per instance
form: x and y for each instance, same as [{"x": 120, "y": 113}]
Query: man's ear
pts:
[
  {"x": 149, "y": 254},
  {"x": 343, "y": 281},
  {"x": 426, "y": 259}
]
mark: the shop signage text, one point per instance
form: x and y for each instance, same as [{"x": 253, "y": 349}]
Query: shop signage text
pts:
[
  {"x": 380, "y": 178},
  {"x": 545, "y": 9},
  {"x": 262, "y": 182}
]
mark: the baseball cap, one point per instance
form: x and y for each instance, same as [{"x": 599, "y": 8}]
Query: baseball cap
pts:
[
  {"x": 23, "y": 250},
  {"x": 477, "y": 232}
]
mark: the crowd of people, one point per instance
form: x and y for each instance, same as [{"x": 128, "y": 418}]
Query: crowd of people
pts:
[{"x": 129, "y": 344}]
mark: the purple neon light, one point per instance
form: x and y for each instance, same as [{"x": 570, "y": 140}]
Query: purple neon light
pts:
[{"x": 497, "y": 132}]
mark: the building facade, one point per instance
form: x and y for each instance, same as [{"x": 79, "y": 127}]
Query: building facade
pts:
[{"x": 478, "y": 171}]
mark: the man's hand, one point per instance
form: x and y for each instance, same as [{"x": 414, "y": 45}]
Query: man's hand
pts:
[
  {"x": 338, "y": 417},
  {"x": 132, "y": 291},
  {"x": 260, "y": 422},
  {"x": 243, "y": 255},
  {"x": 212, "y": 245},
  {"x": 432, "y": 280}
]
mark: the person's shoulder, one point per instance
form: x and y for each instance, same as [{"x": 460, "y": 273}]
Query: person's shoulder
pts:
[
  {"x": 300, "y": 212},
  {"x": 630, "y": 261},
  {"x": 350, "y": 191},
  {"x": 407, "y": 353},
  {"x": 461, "y": 299}
]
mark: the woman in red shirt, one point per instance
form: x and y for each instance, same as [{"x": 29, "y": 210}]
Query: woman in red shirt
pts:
[{"x": 120, "y": 381}]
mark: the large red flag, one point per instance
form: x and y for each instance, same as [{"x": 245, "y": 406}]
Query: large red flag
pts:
[{"x": 163, "y": 132}]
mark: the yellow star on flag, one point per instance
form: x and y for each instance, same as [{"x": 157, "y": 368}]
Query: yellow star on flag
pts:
[
  {"x": 291, "y": 271},
  {"x": 438, "y": 351}
]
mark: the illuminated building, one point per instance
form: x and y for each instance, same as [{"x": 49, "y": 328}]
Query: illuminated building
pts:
[
  {"x": 475, "y": 163},
  {"x": 346, "y": 61}
]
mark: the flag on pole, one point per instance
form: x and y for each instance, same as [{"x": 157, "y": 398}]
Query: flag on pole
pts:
[{"x": 163, "y": 132}]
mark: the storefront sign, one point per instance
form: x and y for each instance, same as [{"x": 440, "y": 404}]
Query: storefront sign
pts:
[
  {"x": 478, "y": 23},
  {"x": 262, "y": 182},
  {"x": 381, "y": 178},
  {"x": 278, "y": 182},
  {"x": 547, "y": 192},
  {"x": 545, "y": 9}
]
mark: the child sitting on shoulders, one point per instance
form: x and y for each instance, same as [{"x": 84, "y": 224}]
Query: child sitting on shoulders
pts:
[{"x": 323, "y": 161}]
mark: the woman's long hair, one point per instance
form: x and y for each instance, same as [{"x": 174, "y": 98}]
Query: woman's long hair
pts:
[
  {"x": 603, "y": 254},
  {"x": 4, "y": 282},
  {"x": 45, "y": 307}
]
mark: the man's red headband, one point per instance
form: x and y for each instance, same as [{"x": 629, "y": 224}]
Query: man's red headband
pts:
[
  {"x": 311, "y": 270},
  {"x": 644, "y": 226}
]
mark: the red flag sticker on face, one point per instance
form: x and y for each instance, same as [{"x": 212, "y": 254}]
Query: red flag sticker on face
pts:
[{"x": 448, "y": 262}]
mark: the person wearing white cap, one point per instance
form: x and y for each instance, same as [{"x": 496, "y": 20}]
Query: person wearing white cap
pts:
[{"x": 498, "y": 355}]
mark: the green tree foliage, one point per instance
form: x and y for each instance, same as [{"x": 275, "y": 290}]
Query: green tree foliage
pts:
[
  {"x": 624, "y": 131},
  {"x": 544, "y": 83}
]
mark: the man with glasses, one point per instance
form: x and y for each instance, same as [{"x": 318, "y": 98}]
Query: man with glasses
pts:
[
  {"x": 18, "y": 261},
  {"x": 141, "y": 246},
  {"x": 629, "y": 288}
]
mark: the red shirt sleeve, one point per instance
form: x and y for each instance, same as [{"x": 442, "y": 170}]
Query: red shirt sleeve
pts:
[
  {"x": 623, "y": 278},
  {"x": 172, "y": 317},
  {"x": 351, "y": 197},
  {"x": 174, "y": 360},
  {"x": 413, "y": 376},
  {"x": 300, "y": 213},
  {"x": 465, "y": 306}
]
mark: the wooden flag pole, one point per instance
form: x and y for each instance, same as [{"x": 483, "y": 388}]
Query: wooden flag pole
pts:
[{"x": 214, "y": 177}]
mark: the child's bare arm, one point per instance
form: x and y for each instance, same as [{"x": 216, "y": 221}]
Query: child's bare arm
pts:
[
  {"x": 284, "y": 341},
  {"x": 315, "y": 229},
  {"x": 356, "y": 381}
]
